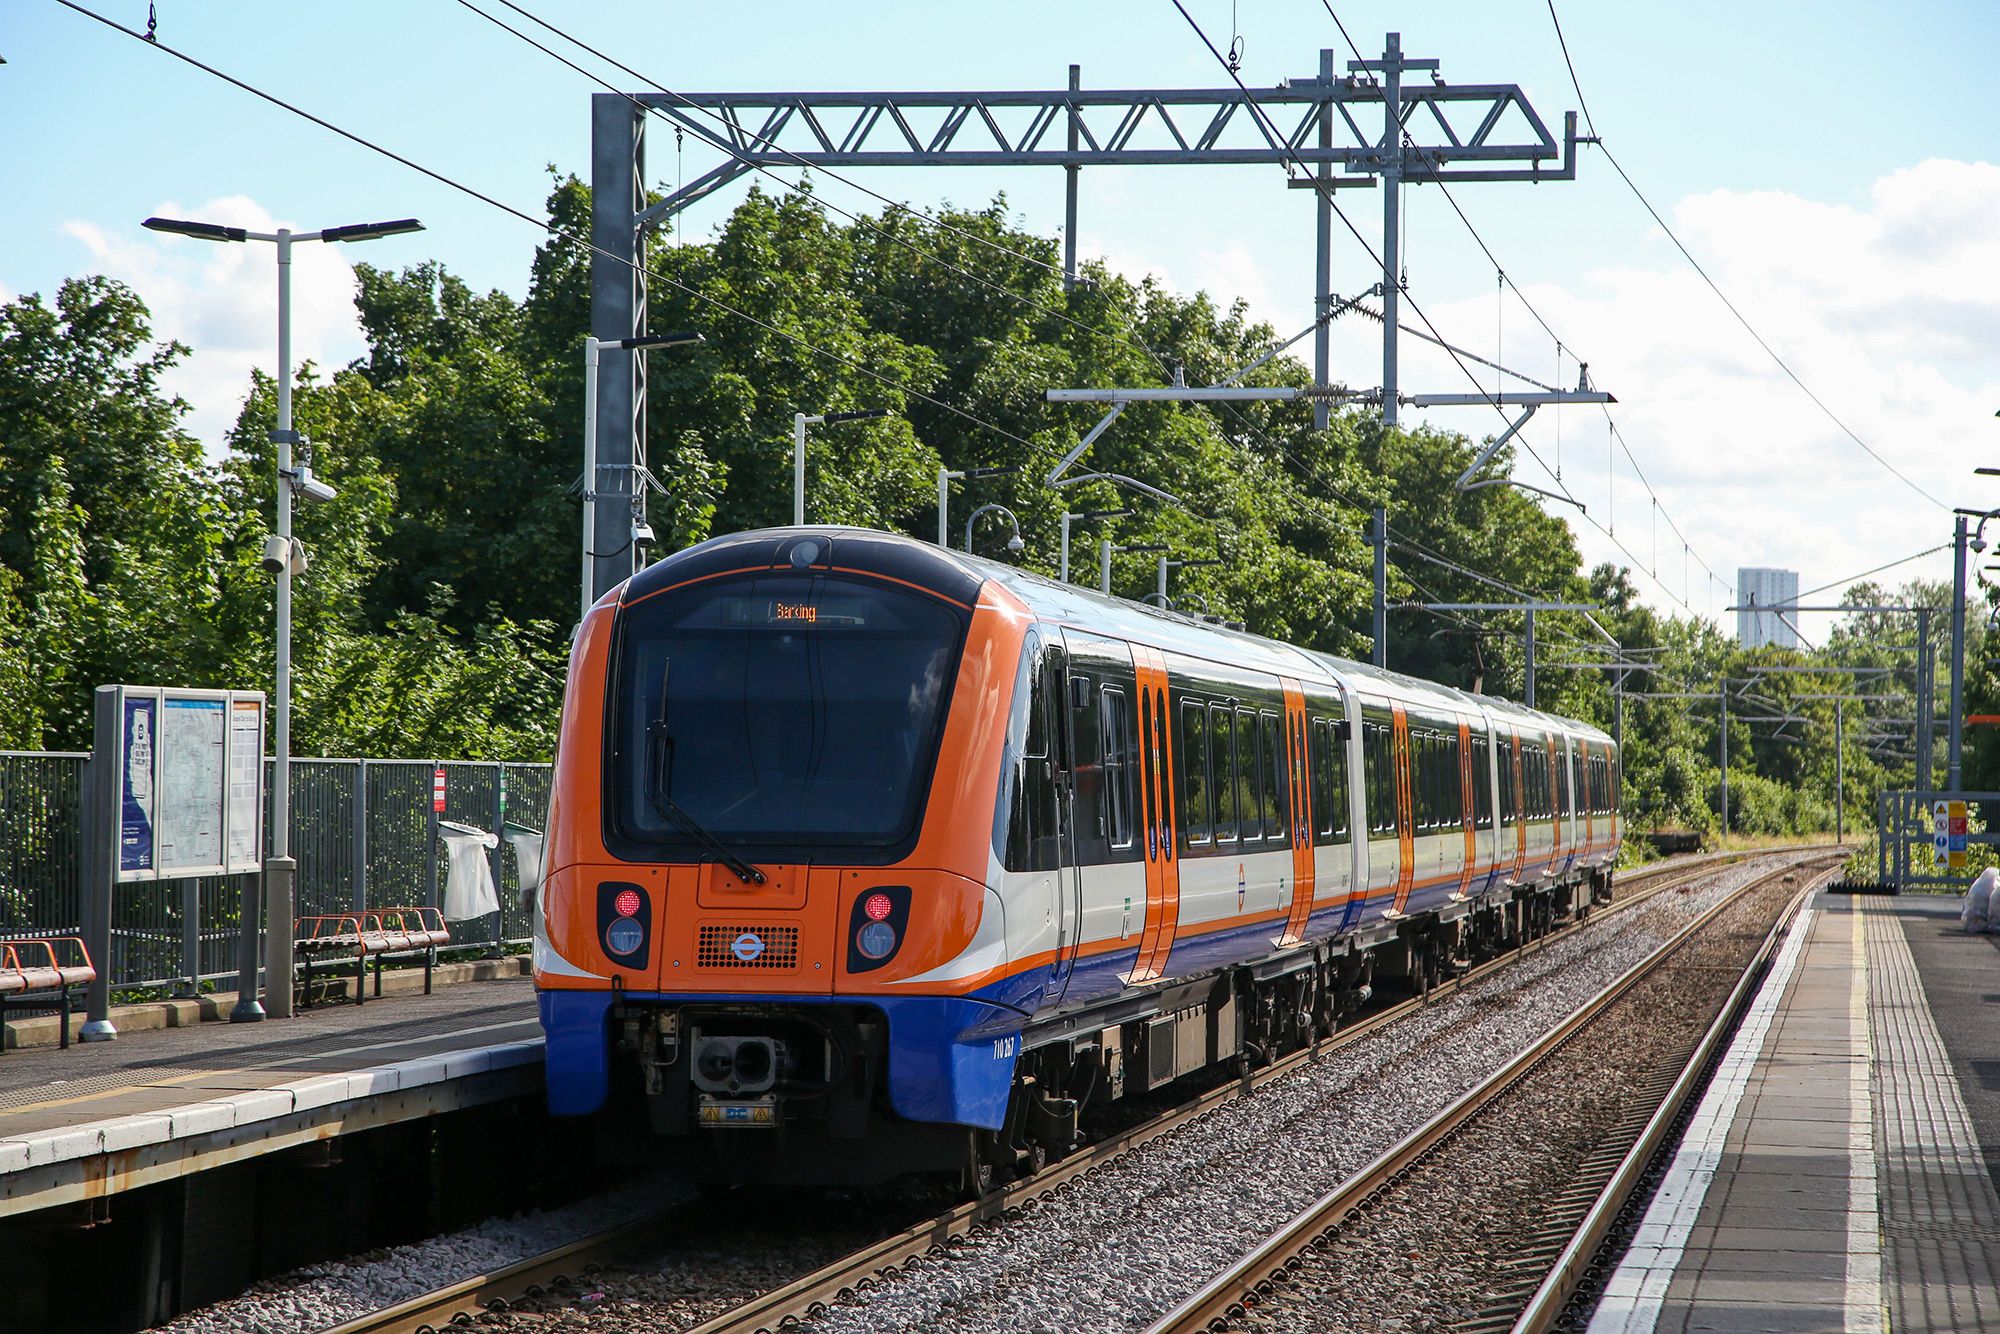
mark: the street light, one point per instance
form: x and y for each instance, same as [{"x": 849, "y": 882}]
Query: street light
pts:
[
  {"x": 947, "y": 476},
  {"x": 799, "y": 423},
  {"x": 641, "y": 530},
  {"x": 1014, "y": 543},
  {"x": 279, "y": 869},
  {"x": 1085, "y": 517}
]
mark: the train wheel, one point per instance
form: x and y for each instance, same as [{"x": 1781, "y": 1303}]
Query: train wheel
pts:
[{"x": 975, "y": 1180}]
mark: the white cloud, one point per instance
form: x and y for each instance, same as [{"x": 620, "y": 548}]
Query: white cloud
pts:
[
  {"x": 222, "y": 301},
  {"x": 1889, "y": 312},
  {"x": 1227, "y": 272}
]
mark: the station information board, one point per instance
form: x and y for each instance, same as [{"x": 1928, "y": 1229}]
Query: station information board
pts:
[{"x": 190, "y": 781}]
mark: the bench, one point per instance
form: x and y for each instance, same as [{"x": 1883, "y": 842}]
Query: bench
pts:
[
  {"x": 373, "y": 934},
  {"x": 43, "y": 973}
]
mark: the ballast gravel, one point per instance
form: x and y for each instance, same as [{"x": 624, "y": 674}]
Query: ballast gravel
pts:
[
  {"x": 1134, "y": 1239},
  {"x": 1461, "y": 1232},
  {"x": 1115, "y": 1251},
  {"x": 321, "y": 1296}
]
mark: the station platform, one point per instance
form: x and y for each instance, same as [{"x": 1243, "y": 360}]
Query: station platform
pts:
[
  {"x": 101, "y": 1118},
  {"x": 1839, "y": 1173}
]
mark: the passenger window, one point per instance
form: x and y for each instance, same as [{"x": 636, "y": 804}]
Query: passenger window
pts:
[
  {"x": 1195, "y": 786},
  {"x": 1274, "y": 789},
  {"x": 1249, "y": 763},
  {"x": 1116, "y": 714},
  {"x": 1333, "y": 820},
  {"x": 1222, "y": 759}
]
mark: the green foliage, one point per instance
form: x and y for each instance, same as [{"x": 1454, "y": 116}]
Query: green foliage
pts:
[{"x": 433, "y": 620}]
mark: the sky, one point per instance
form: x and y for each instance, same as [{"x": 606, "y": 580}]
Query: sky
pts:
[{"x": 1830, "y": 165}]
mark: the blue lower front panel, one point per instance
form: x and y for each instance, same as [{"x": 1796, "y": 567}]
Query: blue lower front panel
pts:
[
  {"x": 950, "y": 1059},
  {"x": 578, "y": 1054}
]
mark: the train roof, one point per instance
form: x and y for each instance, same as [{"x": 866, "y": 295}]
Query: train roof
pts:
[{"x": 959, "y": 575}]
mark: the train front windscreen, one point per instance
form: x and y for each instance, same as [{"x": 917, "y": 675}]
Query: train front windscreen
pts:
[{"x": 785, "y": 717}]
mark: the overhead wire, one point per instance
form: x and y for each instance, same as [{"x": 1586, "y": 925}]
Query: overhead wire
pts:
[
  {"x": 1713, "y": 286},
  {"x": 1282, "y": 146},
  {"x": 1506, "y": 280},
  {"x": 1131, "y": 341},
  {"x": 548, "y": 227},
  {"x": 555, "y": 231},
  {"x": 800, "y": 188}
]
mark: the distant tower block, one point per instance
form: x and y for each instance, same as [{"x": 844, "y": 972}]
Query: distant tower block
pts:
[{"x": 1766, "y": 588}]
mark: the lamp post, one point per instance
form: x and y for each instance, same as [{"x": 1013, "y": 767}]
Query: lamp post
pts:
[
  {"x": 1014, "y": 543},
  {"x": 800, "y": 421},
  {"x": 1085, "y": 517},
  {"x": 946, "y": 476},
  {"x": 280, "y": 870},
  {"x": 592, "y": 347},
  {"x": 1962, "y": 537}
]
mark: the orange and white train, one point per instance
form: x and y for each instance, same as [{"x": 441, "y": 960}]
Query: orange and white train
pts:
[{"x": 867, "y": 857}]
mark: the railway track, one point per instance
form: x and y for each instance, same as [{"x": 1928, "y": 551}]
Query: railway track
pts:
[
  {"x": 1557, "y": 1259},
  {"x": 562, "y": 1268}
]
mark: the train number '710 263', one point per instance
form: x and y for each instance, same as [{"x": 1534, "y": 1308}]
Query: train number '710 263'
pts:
[{"x": 1003, "y": 1049}]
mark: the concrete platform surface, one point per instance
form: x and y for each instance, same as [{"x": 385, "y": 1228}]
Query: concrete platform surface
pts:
[
  {"x": 1839, "y": 1173},
  {"x": 103, "y": 1117}
]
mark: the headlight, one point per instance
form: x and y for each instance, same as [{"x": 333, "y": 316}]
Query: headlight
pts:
[{"x": 875, "y": 940}]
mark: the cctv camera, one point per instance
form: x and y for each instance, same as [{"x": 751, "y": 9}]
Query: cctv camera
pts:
[
  {"x": 1015, "y": 544},
  {"x": 310, "y": 487},
  {"x": 275, "y": 553},
  {"x": 642, "y": 533}
]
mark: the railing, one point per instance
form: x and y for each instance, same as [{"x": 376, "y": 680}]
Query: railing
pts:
[
  {"x": 364, "y": 833},
  {"x": 1906, "y": 854}
]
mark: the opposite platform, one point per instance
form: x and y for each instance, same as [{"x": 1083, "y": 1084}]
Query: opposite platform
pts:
[
  {"x": 106, "y": 1117},
  {"x": 1832, "y": 1177}
]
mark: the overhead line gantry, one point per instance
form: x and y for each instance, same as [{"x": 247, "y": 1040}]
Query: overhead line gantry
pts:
[{"x": 1430, "y": 131}]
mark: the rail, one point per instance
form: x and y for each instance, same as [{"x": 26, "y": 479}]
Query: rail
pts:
[
  {"x": 863, "y": 1268},
  {"x": 1228, "y": 1296}
]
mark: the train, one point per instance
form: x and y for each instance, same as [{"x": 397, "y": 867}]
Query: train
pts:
[{"x": 866, "y": 857}]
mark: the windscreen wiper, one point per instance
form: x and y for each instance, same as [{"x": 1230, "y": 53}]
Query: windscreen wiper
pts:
[
  {"x": 656, "y": 790},
  {"x": 692, "y": 827}
]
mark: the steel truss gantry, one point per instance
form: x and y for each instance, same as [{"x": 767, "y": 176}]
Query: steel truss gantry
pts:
[{"x": 1422, "y": 132}]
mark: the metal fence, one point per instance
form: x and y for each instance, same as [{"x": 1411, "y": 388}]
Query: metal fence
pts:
[
  {"x": 364, "y": 833},
  {"x": 1906, "y": 838}
]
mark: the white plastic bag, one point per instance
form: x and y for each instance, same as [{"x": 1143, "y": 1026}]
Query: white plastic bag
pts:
[
  {"x": 1976, "y": 915},
  {"x": 527, "y": 846},
  {"x": 468, "y": 889}
]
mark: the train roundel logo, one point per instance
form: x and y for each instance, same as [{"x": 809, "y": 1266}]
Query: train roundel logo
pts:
[{"x": 747, "y": 947}]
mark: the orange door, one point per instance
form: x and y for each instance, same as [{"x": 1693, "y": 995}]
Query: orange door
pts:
[
  {"x": 1162, "y": 869},
  {"x": 1299, "y": 766},
  {"x": 1406, "y": 815},
  {"x": 1170, "y": 862},
  {"x": 1149, "y": 824}
]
